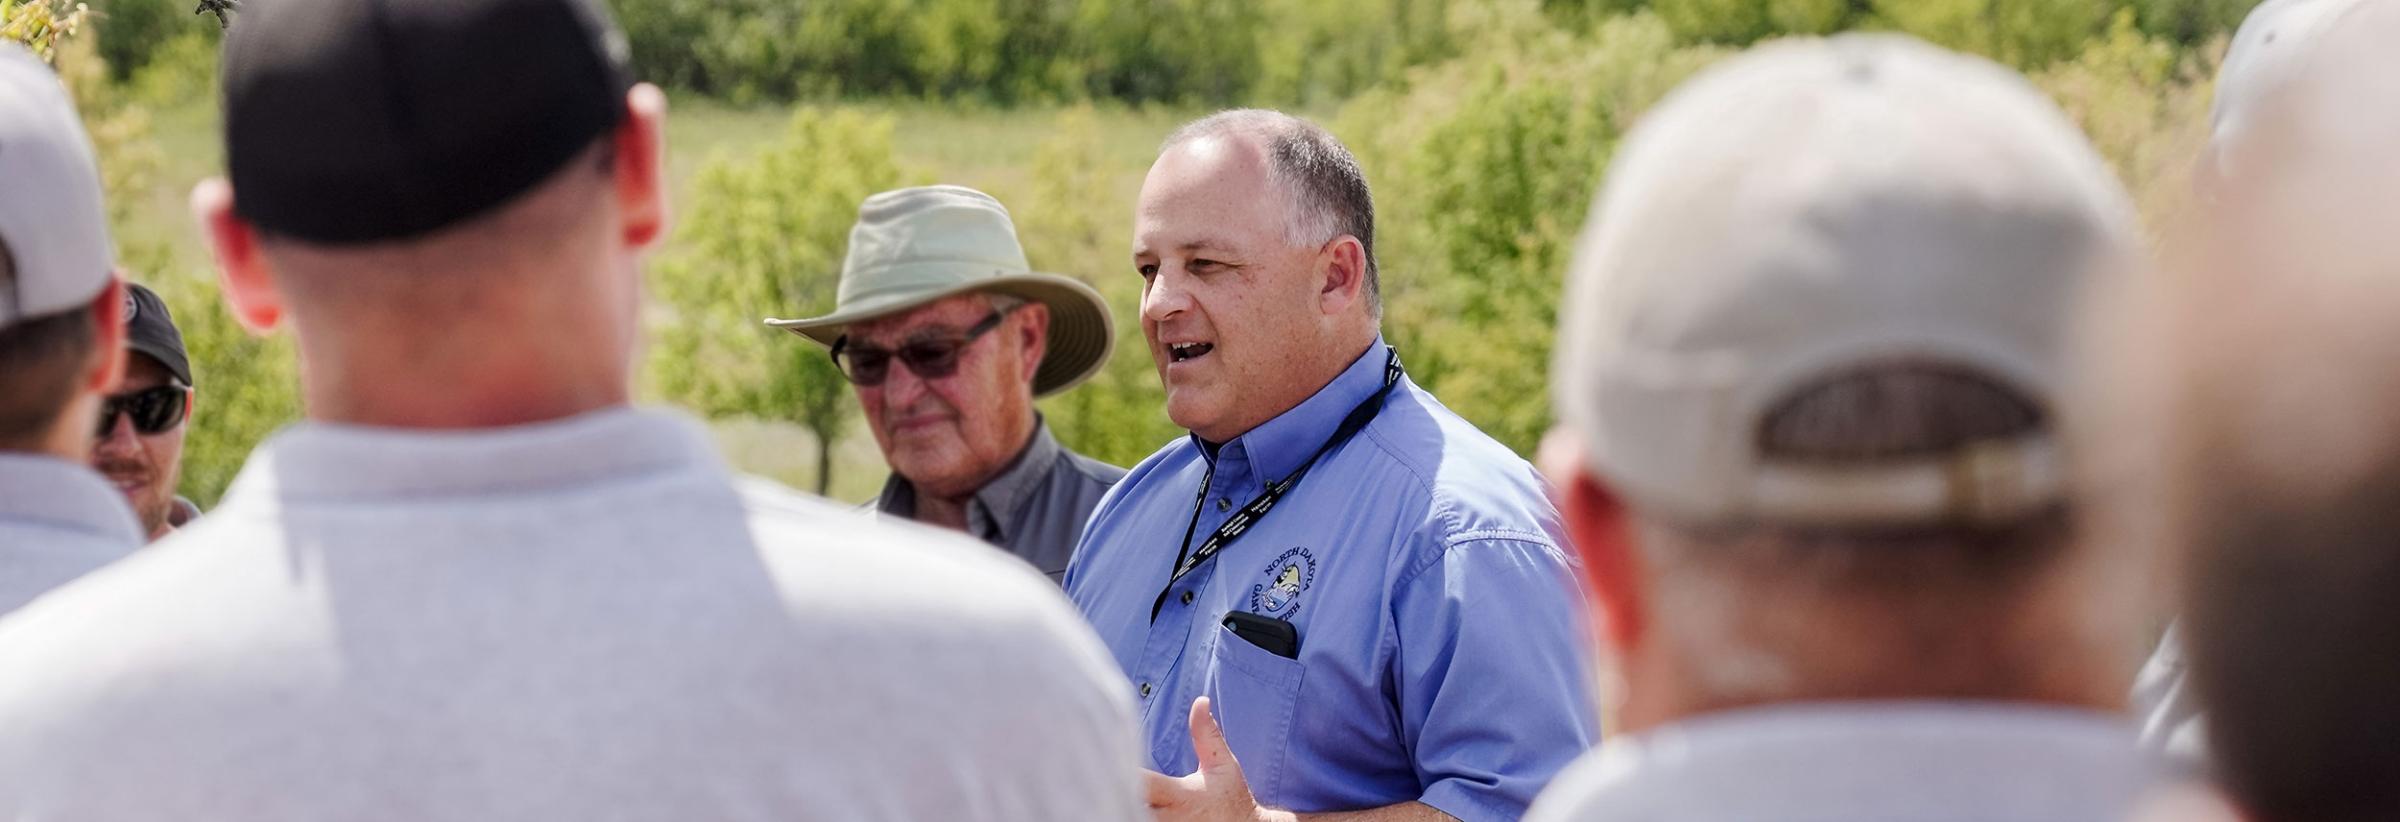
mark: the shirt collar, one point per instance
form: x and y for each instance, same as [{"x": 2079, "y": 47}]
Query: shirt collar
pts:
[
  {"x": 1277, "y": 447},
  {"x": 1778, "y": 753},
  {"x": 315, "y": 461},
  {"x": 36, "y": 488},
  {"x": 1002, "y": 496}
]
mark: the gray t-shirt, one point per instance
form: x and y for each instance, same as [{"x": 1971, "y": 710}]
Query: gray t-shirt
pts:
[
  {"x": 1861, "y": 762},
  {"x": 590, "y": 619},
  {"x": 58, "y": 521}
]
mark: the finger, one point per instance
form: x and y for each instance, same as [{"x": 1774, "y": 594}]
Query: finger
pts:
[
  {"x": 1208, "y": 740},
  {"x": 1161, "y": 790}
]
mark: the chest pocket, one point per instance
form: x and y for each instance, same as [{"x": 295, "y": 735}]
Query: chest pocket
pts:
[{"x": 1253, "y": 693}]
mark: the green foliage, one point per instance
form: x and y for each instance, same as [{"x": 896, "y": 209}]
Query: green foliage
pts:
[
  {"x": 1215, "y": 51},
  {"x": 180, "y": 70},
  {"x": 247, "y": 385},
  {"x": 1073, "y": 223},
  {"x": 2023, "y": 33},
  {"x": 40, "y": 25},
  {"x": 2028, "y": 34},
  {"x": 765, "y": 235},
  {"x": 1745, "y": 21},
  {"x": 1315, "y": 51},
  {"x": 1165, "y": 49},
  {"x": 131, "y": 31},
  {"x": 2144, "y": 104},
  {"x": 1483, "y": 173},
  {"x": 2191, "y": 22}
]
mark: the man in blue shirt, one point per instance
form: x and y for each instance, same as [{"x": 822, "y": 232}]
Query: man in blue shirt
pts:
[{"x": 1363, "y": 591}]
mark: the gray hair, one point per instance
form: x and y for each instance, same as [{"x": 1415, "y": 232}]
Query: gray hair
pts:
[{"x": 1327, "y": 190}]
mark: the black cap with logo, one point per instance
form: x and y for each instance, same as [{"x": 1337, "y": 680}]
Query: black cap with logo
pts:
[
  {"x": 150, "y": 330},
  {"x": 361, "y": 121}
]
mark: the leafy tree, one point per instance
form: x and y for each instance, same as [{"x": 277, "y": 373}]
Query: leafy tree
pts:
[
  {"x": 2191, "y": 22},
  {"x": 1074, "y": 223},
  {"x": 1483, "y": 175},
  {"x": 2144, "y": 104},
  {"x": 2024, "y": 33},
  {"x": 1166, "y": 49},
  {"x": 129, "y": 31},
  {"x": 765, "y": 236},
  {"x": 40, "y": 25},
  {"x": 1310, "y": 51}
]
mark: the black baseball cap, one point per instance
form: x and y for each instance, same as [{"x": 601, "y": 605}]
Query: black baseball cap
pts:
[
  {"x": 350, "y": 122},
  {"x": 150, "y": 330}
]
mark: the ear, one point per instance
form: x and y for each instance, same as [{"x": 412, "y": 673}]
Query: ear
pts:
[
  {"x": 1601, "y": 528},
  {"x": 1033, "y": 330},
  {"x": 108, "y": 313},
  {"x": 242, "y": 269},
  {"x": 641, "y": 144},
  {"x": 1342, "y": 267}
]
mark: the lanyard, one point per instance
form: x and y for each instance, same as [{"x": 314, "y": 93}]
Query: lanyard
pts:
[{"x": 1187, "y": 560}]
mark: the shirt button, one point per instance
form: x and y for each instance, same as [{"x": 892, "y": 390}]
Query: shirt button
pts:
[
  {"x": 1223, "y": 503},
  {"x": 1145, "y": 690},
  {"x": 1187, "y": 597}
]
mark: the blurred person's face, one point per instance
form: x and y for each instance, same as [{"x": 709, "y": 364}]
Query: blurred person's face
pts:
[
  {"x": 949, "y": 434},
  {"x": 1235, "y": 314},
  {"x": 143, "y": 465}
]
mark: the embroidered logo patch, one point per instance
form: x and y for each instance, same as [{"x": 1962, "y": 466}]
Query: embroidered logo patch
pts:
[{"x": 1279, "y": 596}]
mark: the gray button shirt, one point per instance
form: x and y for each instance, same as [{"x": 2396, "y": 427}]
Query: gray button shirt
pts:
[
  {"x": 1034, "y": 509},
  {"x": 58, "y": 521}
]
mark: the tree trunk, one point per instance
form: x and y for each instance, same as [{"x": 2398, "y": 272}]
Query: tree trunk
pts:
[{"x": 824, "y": 463}]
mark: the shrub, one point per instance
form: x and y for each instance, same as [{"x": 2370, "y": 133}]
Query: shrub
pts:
[{"x": 764, "y": 236}]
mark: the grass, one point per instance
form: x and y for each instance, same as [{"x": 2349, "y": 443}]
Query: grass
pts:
[{"x": 990, "y": 149}]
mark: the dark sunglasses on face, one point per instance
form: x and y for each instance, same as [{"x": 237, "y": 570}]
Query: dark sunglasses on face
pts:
[
  {"x": 929, "y": 358},
  {"x": 153, "y": 410}
]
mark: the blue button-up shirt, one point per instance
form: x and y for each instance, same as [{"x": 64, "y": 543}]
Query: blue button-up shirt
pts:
[{"x": 1442, "y": 652}]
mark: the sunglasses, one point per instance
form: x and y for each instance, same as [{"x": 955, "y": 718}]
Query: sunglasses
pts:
[
  {"x": 930, "y": 358},
  {"x": 153, "y": 410}
]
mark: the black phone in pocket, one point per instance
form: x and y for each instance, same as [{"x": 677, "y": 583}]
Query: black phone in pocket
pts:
[{"x": 1276, "y": 636}]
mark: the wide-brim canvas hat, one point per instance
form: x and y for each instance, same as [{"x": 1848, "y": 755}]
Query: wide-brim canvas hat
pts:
[{"x": 915, "y": 246}]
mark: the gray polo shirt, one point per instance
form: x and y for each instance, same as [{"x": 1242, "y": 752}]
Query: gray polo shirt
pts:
[
  {"x": 590, "y": 619},
  {"x": 58, "y": 521},
  {"x": 1034, "y": 509},
  {"x": 1928, "y": 760}
]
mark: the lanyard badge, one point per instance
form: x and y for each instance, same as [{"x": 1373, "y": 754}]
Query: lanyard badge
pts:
[{"x": 1188, "y": 560}]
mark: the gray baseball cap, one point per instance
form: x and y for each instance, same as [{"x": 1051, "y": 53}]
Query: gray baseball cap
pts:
[
  {"x": 51, "y": 217},
  {"x": 1808, "y": 209}
]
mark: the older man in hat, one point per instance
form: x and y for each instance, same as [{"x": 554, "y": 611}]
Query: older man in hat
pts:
[
  {"x": 949, "y": 336},
  {"x": 140, "y": 445}
]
